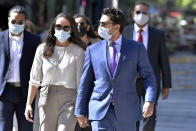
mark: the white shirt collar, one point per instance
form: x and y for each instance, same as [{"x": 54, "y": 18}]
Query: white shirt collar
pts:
[{"x": 137, "y": 28}]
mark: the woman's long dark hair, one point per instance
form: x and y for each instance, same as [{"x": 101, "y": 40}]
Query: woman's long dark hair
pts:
[
  {"x": 90, "y": 32},
  {"x": 51, "y": 39}
]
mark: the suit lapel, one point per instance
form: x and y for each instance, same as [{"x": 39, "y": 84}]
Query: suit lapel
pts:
[
  {"x": 131, "y": 32},
  {"x": 6, "y": 41},
  {"x": 105, "y": 48},
  {"x": 25, "y": 46},
  {"x": 150, "y": 41},
  {"x": 122, "y": 56}
]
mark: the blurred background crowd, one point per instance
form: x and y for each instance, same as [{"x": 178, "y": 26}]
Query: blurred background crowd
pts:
[{"x": 175, "y": 17}]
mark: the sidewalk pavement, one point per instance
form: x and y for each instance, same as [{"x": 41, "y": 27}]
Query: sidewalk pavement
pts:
[{"x": 178, "y": 112}]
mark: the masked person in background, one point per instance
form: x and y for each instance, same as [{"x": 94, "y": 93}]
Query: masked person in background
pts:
[
  {"x": 85, "y": 29},
  {"x": 17, "y": 50},
  {"x": 154, "y": 42},
  {"x": 57, "y": 68}
]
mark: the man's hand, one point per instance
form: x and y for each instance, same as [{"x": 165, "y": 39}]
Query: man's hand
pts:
[
  {"x": 83, "y": 121},
  {"x": 165, "y": 93},
  {"x": 148, "y": 109}
]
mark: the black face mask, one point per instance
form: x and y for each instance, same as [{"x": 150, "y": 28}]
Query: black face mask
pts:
[{"x": 82, "y": 30}]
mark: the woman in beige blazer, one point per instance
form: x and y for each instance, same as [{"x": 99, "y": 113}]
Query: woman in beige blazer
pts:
[{"x": 57, "y": 69}]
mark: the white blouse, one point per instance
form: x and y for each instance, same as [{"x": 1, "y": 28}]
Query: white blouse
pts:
[{"x": 51, "y": 71}]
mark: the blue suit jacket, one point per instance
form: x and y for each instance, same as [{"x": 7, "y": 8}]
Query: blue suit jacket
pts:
[
  {"x": 31, "y": 41},
  {"x": 96, "y": 82}
]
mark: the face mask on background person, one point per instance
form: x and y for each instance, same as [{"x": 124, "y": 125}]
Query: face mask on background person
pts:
[
  {"x": 104, "y": 33},
  {"x": 62, "y": 35},
  {"x": 141, "y": 19},
  {"x": 82, "y": 30},
  {"x": 15, "y": 28}
]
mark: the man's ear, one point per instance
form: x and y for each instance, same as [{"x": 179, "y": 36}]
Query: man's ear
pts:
[
  {"x": 117, "y": 27},
  {"x": 132, "y": 14},
  {"x": 149, "y": 14},
  {"x": 88, "y": 27},
  {"x": 25, "y": 22}
]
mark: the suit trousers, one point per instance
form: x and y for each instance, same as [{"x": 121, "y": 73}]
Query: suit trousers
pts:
[
  {"x": 110, "y": 123},
  {"x": 150, "y": 122},
  {"x": 78, "y": 128},
  {"x": 58, "y": 112},
  {"x": 13, "y": 100}
]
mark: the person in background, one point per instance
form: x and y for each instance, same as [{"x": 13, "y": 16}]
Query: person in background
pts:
[
  {"x": 85, "y": 29},
  {"x": 29, "y": 26},
  {"x": 57, "y": 68},
  {"x": 17, "y": 50},
  {"x": 154, "y": 42},
  {"x": 107, "y": 94}
]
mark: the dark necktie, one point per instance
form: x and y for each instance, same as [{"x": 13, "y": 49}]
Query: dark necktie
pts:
[
  {"x": 113, "y": 62},
  {"x": 140, "y": 39}
]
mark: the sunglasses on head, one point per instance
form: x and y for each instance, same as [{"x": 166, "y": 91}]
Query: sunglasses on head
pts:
[
  {"x": 20, "y": 22},
  {"x": 65, "y": 28},
  {"x": 141, "y": 12}
]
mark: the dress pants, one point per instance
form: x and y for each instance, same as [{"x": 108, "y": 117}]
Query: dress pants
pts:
[
  {"x": 150, "y": 122},
  {"x": 58, "y": 113},
  {"x": 110, "y": 123},
  {"x": 13, "y": 100}
]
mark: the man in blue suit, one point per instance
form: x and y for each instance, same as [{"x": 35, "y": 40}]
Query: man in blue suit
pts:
[
  {"x": 107, "y": 93},
  {"x": 17, "y": 49}
]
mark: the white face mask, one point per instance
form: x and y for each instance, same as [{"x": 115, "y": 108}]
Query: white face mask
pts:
[
  {"x": 15, "y": 28},
  {"x": 141, "y": 19},
  {"x": 104, "y": 33},
  {"x": 62, "y": 35}
]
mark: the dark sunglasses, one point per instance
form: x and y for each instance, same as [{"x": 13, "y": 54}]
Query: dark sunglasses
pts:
[
  {"x": 141, "y": 12},
  {"x": 20, "y": 22},
  {"x": 105, "y": 24},
  {"x": 59, "y": 27},
  {"x": 81, "y": 24}
]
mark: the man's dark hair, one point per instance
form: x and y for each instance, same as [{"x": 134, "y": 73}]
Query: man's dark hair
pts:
[
  {"x": 142, "y": 3},
  {"x": 17, "y": 9},
  {"x": 116, "y": 15}
]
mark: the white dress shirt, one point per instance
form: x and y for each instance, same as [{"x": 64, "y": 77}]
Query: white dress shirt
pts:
[
  {"x": 16, "y": 46},
  {"x": 144, "y": 34},
  {"x": 44, "y": 70}
]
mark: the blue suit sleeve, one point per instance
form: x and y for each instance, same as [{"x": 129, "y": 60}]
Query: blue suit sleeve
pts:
[
  {"x": 147, "y": 75},
  {"x": 85, "y": 87}
]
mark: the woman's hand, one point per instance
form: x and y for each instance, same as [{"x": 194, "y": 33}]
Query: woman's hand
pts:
[{"x": 29, "y": 113}]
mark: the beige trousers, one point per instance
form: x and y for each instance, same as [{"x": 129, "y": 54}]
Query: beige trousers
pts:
[{"x": 58, "y": 113}]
